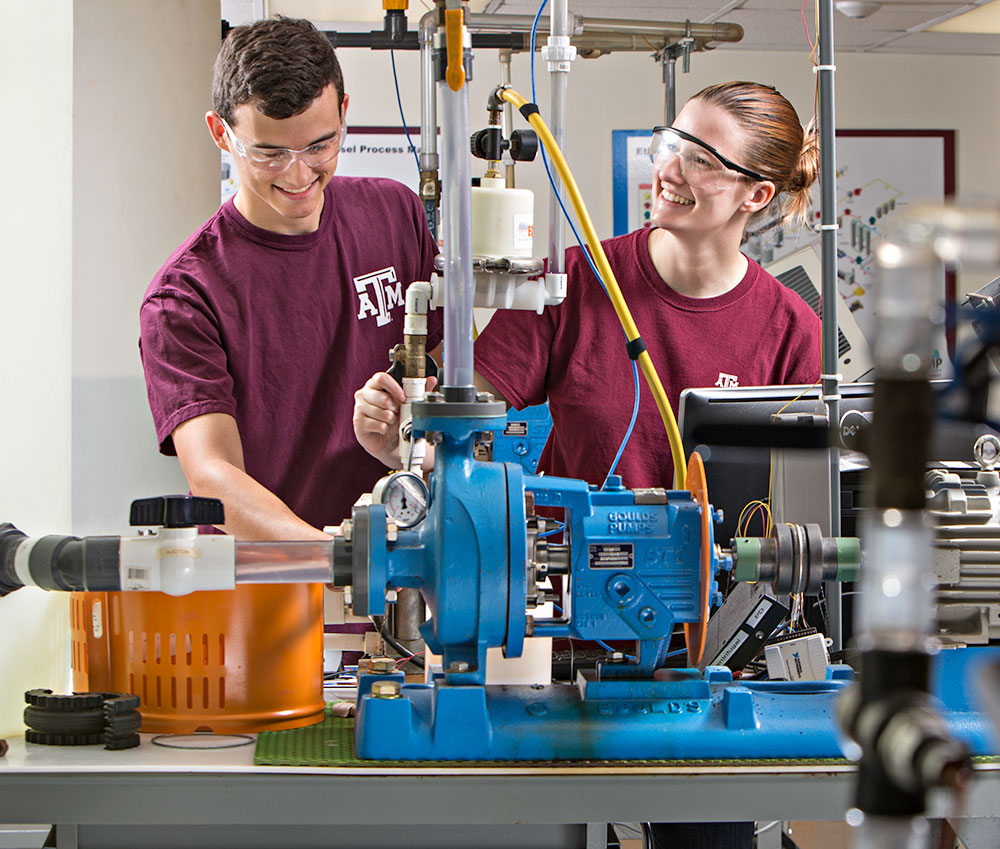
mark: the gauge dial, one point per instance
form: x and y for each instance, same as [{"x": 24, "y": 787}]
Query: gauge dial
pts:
[{"x": 405, "y": 498}]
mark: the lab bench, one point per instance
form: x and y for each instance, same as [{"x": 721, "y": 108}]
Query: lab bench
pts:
[{"x": 152, "y": 797}]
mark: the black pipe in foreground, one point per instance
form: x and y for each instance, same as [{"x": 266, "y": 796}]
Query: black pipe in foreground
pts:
[{"x": 64, "y": 563}]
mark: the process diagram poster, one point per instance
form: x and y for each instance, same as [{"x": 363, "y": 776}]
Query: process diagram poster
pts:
[{"x": 879, "y": 174}]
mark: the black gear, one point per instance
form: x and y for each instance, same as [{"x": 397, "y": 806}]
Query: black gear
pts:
[
  {"x": 82, "y": 719},
  {"x": 66, "y": 722},
  {"x": 63, "y": 739},
  {"x": 123, "y": 723},
  {"x": 115, "y": 703},
  {"x": 115, "y": 742},
  {"x": 77, "y": 701}
]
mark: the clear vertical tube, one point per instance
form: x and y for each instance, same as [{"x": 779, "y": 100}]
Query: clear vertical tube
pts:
[
  {"x": 559, "y": 82},
  {"x": 428, "y": 95},
  {"x": 891, "y": 833},
  {"x": 908, "y": 308},
  {"x": 896, "y": 609},
  {"x": 456, "y": 206}
]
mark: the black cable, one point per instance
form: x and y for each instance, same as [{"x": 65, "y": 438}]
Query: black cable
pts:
[
  {"x": 647, "y": 836},
  {"x": 383, "y": 630}
]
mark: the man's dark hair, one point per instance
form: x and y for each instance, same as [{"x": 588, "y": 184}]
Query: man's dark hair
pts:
[{"x": 281, "y": 65}]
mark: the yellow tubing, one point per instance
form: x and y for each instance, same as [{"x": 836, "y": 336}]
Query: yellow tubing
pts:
[{"x": 614, "y": 292}]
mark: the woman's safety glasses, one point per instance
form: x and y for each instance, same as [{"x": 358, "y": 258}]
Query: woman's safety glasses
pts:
[
  {"x": 702, "y": 166},
  {"x": 279, "y": 158}
]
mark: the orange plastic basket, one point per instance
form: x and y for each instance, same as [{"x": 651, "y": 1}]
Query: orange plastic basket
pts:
[{"x": 245, "y": 660}]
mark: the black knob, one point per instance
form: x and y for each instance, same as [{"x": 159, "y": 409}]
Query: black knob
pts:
[
  {"x": 488, "y": 144},
  {"x": 523, "y": 145},
  {"x": 176, "y": 511}
]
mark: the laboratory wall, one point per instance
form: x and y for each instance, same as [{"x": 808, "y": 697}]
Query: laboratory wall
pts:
[
  {"x": 113, "y": 169},
  {"x": 145, "y": 175}
]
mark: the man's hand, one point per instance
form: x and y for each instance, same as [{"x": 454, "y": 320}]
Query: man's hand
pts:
[{"x": 376, "y": 416}]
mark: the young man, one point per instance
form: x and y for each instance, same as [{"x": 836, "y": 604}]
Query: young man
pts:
[{"x": 258, "y": 329}]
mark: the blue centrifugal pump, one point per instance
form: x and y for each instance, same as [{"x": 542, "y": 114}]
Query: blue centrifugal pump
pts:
[{"x": 478, "y": 545}]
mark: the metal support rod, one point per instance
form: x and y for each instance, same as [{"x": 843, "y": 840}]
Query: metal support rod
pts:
[
  {"x": 609, "y": 26},
  {"x": 670, "y": 87},
  {"x": 831, "y": 296},
  {"x": 507, "y": 126}
]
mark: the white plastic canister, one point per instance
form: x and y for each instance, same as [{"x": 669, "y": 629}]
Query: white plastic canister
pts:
[{"x": 502, "y": 219}]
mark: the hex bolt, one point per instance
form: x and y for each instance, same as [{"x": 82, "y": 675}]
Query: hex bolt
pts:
[
  {"x": 617, "y": 657},
  {"x": 382, "y": 665},
  {"x": 484, "y": 397},
  {"x": 458, "y": 666},
  {"x": 385, "y": 690}
]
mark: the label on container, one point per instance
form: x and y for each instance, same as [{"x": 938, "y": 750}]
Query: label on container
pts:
[
  {"x": 97, "y": 619},
  {"x": 136, "y": 578},
  {"x": 523, "y": 230}
]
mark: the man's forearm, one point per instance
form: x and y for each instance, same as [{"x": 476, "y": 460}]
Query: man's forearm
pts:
[{"x": 252, "y": 511}]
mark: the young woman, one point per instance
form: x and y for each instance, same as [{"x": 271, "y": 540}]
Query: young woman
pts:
[{"x": 709, "y": 315}]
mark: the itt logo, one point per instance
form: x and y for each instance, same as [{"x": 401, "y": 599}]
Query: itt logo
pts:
[{"x": 378, "y": 293}]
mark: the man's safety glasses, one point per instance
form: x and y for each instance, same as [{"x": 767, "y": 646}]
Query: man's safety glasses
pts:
[
  {"x": 702, "y": 166},
  {"x": 279, "y": 158}
]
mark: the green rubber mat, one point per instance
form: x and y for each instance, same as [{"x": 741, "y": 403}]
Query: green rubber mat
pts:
[{"x": 331, "y": 743}]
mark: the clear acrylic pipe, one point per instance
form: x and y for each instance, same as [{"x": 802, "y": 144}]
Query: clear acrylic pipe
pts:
[
  {"x": 889, "y": 832},
  {"x": 428, "y": 94},
  {"x": 896, "y": 607},
  {"x": 299, "y": 562},
  {"x": 558, "y": 87},
  {"x": 456, "y": 209}
]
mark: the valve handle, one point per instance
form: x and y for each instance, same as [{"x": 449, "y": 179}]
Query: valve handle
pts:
[{"x": 176, "y": 511}]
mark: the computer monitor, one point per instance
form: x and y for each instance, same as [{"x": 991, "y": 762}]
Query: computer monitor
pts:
[{"x": 737, "y": 475}]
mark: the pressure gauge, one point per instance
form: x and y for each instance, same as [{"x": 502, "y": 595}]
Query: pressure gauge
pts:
[{"x": 405, "y": 498}]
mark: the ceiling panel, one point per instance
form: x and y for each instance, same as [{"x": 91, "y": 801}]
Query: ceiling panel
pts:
[{"x": 896, "y": 27}]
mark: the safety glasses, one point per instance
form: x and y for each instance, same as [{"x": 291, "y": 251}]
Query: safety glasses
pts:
[
  {"x": 279, "y": 158},
  {"x": 702, "y": 166}
]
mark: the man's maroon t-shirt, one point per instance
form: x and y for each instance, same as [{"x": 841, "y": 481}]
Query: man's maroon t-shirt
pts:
[
  {"x": 758, "y": 333},
  {"x": 279, "y": 332}
]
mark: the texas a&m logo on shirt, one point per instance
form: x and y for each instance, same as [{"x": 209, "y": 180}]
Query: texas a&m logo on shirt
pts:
[
  {"x": 378, "y": 293},
  {"x": 727, "y": 381}
]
